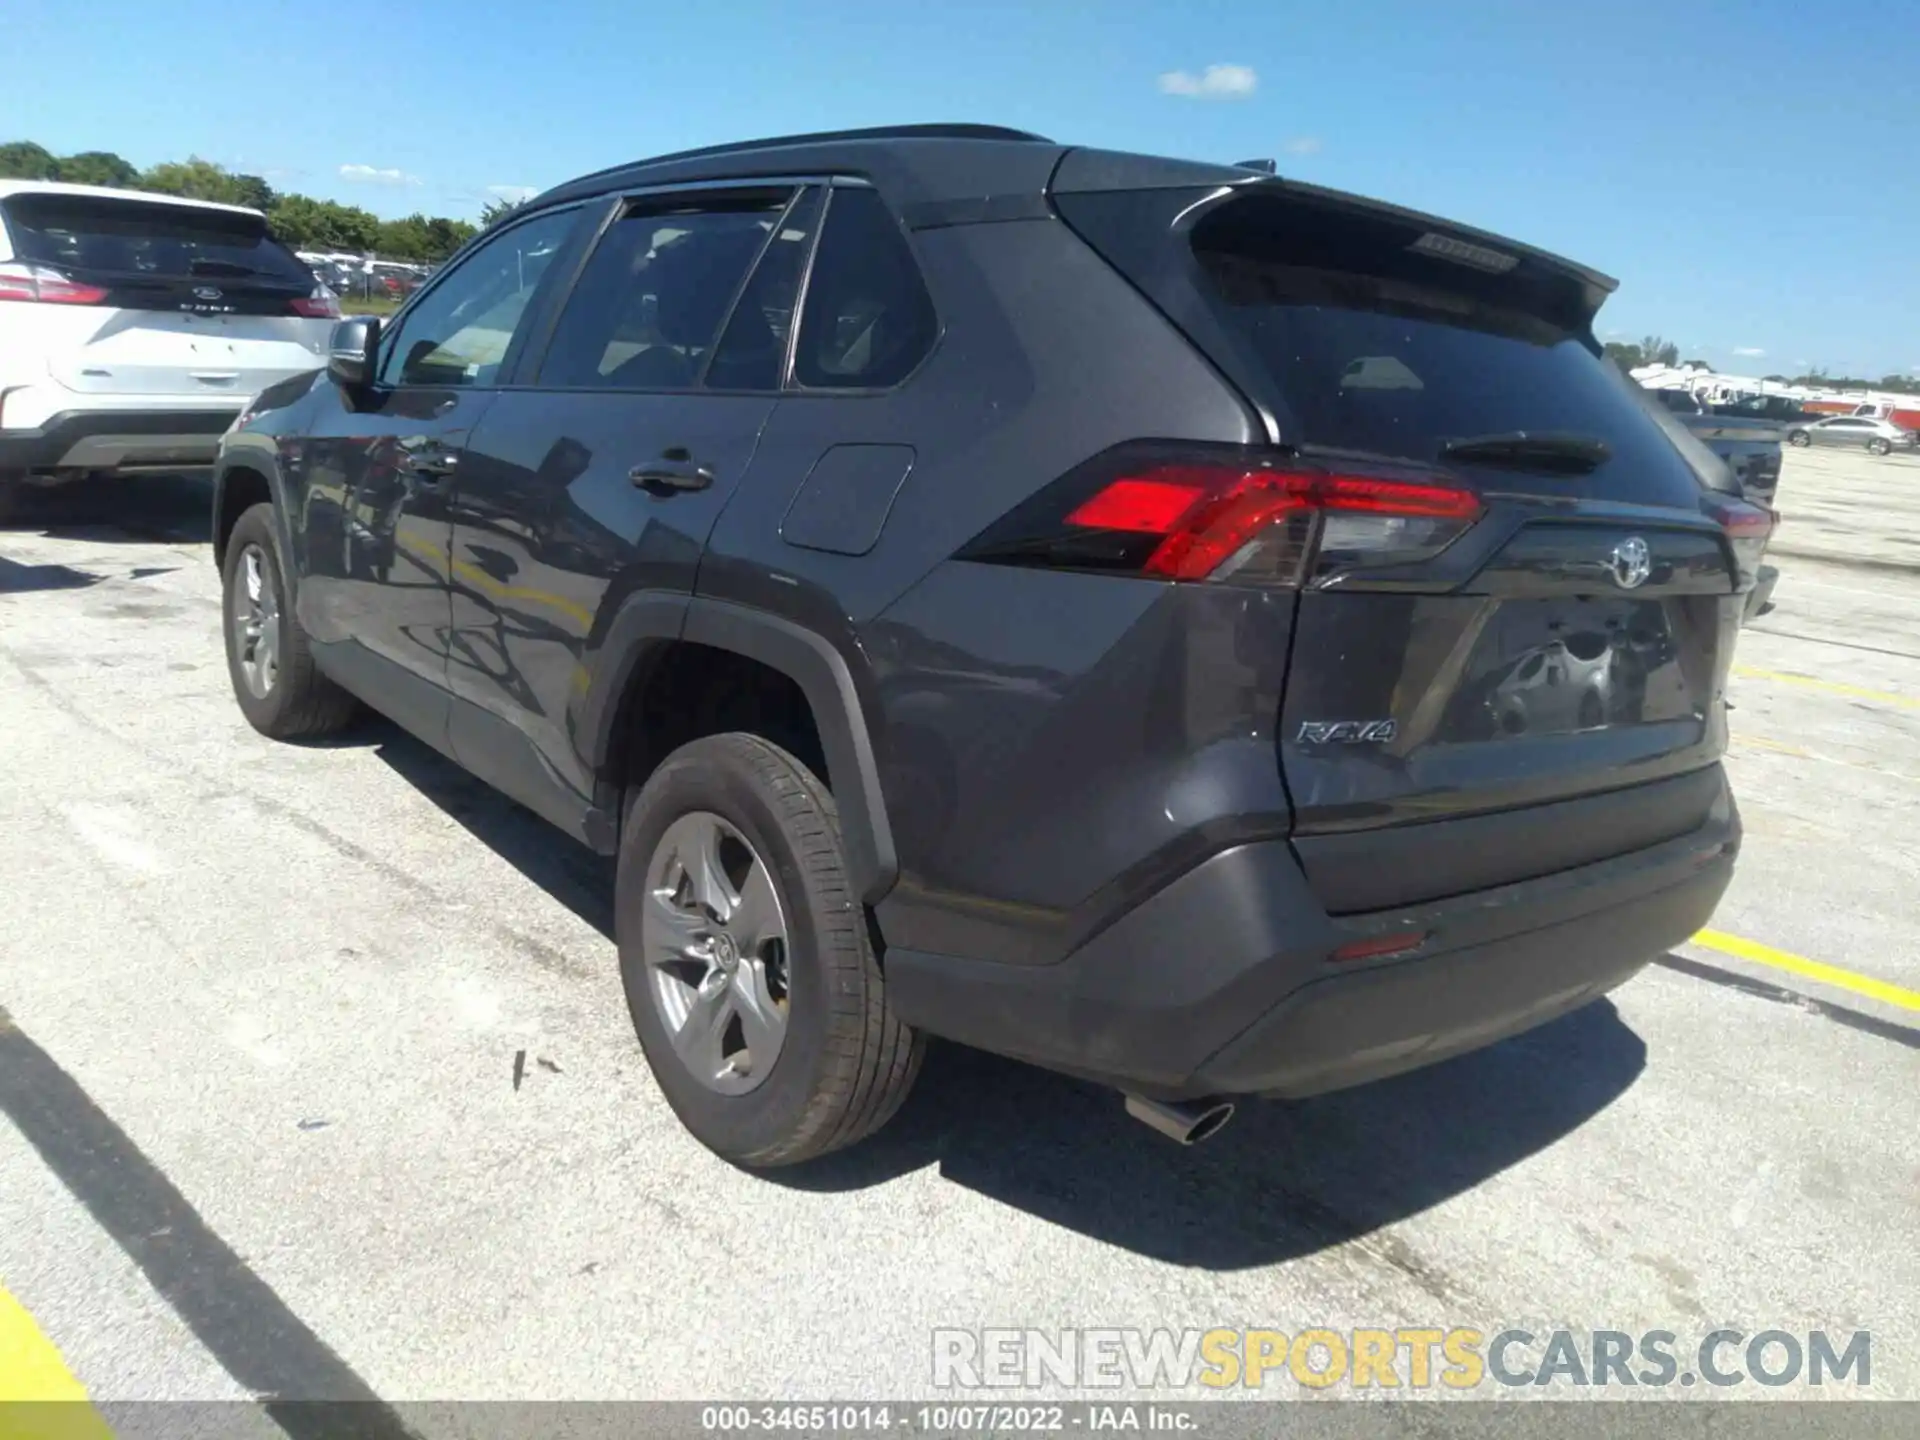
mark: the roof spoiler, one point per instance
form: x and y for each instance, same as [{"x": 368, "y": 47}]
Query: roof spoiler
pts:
[{"x": 1082, "y": 171}]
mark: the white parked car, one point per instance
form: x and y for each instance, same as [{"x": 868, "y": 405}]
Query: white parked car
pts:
[{"x": 135, "y": 328}]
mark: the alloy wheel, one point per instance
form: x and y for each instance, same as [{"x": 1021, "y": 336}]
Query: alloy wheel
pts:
[
  {"x": 714, "y": 936},
  {"x": 256, "y": 623}
]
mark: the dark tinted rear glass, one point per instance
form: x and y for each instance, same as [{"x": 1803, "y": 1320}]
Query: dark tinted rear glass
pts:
[
  {"x": 1365, "y": 332},
  {"x": 133, "y": 237},
  {"x": 649, "y": 305},
  {"x": 869, "y": 320},
  {"x": 1380, "y": 364},
  {"x": 752, "y": 354}
]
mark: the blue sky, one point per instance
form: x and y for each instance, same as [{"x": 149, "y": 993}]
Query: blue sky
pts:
[{"x": 1750, "y": 169}]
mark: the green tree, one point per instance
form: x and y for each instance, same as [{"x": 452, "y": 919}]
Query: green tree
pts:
[
  {"x": 447, "y": 236},
  {"x": 1659, "y": 351},
  {"x": 252, "y": 191},
  {"x": 403, "y": 239},
  {"x": 309, "y": 224},
  {"x": 298, "y": 220},
  {"x": 1627, "y": 357},
  {"x": 98, "y": 167},
  {"x": 24, "y": 160},
  {"x": 494, "y": 211},
  {"x": 1699, "y": 365},
  {"x": 193, "y": 179}
]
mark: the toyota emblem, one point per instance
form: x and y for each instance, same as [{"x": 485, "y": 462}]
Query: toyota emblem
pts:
[{"x": 1630, "y": 563}]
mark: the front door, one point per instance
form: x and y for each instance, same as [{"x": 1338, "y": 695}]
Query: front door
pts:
[
  {"x": 602, "y": 475},
  {"x": 378, "y": 470}
]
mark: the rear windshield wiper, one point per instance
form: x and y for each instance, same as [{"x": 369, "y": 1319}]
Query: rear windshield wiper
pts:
[
  {"x": 222, "y": 267},
  {"x": 1546, "y": 450}
]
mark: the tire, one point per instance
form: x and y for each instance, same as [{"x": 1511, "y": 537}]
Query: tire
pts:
[
  {"x": 843, "y": 1063},
  {"x": 296, "y": 702},
  {"x": 1799, "y": 438},
  {"x": 1882, "y": 446}
]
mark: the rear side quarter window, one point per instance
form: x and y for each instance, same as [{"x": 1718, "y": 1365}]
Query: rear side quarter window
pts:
[{"x": 868, "y": 320}]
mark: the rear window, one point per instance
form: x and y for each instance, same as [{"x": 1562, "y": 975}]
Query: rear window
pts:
[
  {"x": 1366, "y": 333},
  {"x": 1393, "y": 364},
  {"x": 133, "y": 237}
]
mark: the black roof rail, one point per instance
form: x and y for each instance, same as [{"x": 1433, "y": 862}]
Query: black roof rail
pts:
[{"x": 877, "y": 132}]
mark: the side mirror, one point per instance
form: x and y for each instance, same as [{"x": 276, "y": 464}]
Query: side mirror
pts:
[{"x": 351, "y": 350}]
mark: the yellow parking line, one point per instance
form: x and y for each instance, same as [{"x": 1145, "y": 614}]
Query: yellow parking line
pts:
[
  {"x": 1833, "y": 975},
  {"x": 1760, "y": 743},
  {"x": 39, "y": 1398},
  {"x": 1755, "y": 742},
  {"x": 1835, "y": 687}
]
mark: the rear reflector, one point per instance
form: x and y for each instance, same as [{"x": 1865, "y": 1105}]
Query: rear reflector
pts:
[
  {"x": 1375, "y": 947},
  {"x": 19, "y": 281},
  {"x": 1144, "y": 512},
  {"x": 1748, "y": 528}
]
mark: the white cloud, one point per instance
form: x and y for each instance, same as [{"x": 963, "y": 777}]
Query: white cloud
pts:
[
  {"x": 512, "y": 194},
  {"x": 1748, "y": 350},
  {"x": 1216, "y": 82},
  {"x": 1304, "y": 145},
  {"x": 373, "y": 175}
]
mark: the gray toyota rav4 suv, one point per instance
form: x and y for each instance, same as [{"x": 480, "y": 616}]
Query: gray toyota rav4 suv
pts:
[{"x": 1203, "y": 633}]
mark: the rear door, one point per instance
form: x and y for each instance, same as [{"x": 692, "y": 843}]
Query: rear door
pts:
[
  {"x": 1575, "y": 637},
  {"x": 601, "y": 472},
  {"x": 168, "y": 299}
]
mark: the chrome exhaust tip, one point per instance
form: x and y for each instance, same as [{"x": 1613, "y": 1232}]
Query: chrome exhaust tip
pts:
[{"x": 1187, "y": 1122}]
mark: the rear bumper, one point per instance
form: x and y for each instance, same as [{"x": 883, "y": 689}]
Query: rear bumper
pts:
[
  {"x": 117, "y": 440},
  {"x": 1222, "y": 982}
]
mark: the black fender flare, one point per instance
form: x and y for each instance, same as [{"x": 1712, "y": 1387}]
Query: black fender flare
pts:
[
  {"x": 249, "y": 453},
  {"x": 646, "y": 624}
]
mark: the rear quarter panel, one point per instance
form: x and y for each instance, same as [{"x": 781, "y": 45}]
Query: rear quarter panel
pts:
[{"x": 1037, "y": 736}]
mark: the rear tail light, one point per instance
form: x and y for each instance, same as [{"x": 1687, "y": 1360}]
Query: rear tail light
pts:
[
  {"x": 1234, "y": 516},
  {"x": 20, "y": 281},
  {"x": 320, "y": 305},
  {"x": 1748, "y": 528}
]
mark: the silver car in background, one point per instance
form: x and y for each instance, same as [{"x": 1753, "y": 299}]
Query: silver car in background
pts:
[{"x": 1882, "y": 437}]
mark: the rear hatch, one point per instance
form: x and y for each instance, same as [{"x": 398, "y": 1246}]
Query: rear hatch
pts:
[
  {"x": 1537, "y": 683},
  {"x": 150, "y": 298}
]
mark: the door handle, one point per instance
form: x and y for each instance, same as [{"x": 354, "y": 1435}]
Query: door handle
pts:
[
  {"x": 671, "y": 476},
  {"x": 434, "y": 466}
]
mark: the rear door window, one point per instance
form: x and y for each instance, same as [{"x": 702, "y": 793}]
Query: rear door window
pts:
[{"x": 648, "y": 308}]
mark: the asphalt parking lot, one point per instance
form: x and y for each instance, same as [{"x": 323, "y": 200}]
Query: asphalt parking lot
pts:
[{"x": 317, "y": 1078}]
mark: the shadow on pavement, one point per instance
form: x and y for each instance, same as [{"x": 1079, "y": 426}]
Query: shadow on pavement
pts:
[
  {"x": 563, "y": 867},
  {"x": 1281, "y": 1181},
  {"x": 169, "y": 509}
]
